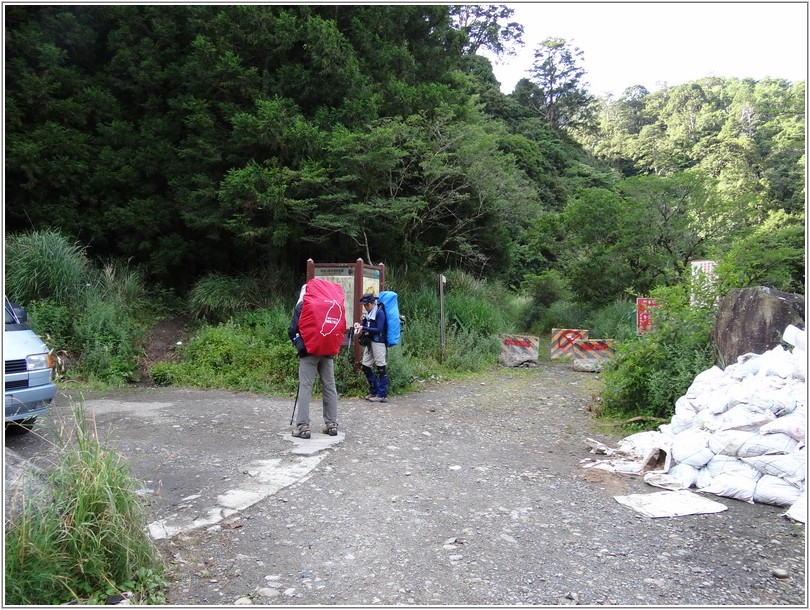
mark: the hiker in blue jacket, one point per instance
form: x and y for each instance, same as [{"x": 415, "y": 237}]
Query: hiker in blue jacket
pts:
[{"x": 372, "y": 330}]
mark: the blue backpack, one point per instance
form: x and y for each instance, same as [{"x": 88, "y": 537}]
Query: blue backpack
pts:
[{"x": 389, "y": 300}]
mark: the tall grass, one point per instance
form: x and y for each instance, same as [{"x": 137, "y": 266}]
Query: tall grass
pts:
[
  {"x": 84, "y": 536},
  {"x": 218, "y": 297},
  {"x": 44, "y": 264},
  {"x": 94, "y": 316}
]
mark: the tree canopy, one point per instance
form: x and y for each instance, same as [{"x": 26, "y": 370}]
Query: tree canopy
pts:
[{"x": 232, "y": 139}]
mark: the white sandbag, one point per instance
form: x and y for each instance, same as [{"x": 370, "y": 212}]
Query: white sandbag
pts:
[
  {"x": 680, "y": 424},
  {"x": 710, "y": 421},
  {"x": 798, "y": 510},
  {"x": 746, "y": 365},
  {"x": 684, "y": 408},
  {"x": 795, "y": 337},
  {"x": 731, "y": 486},
  {"x": 727, "y": 464},
  {"x": 692, "y": 447},
  {"x": 776, "y": 491},
  {"x": 684, "y": 473},
  {"x": 714, "y": 401},
  {"x": 640, "y": 443},
  {"x": 728, "y": 442},
  {"x": 744, "y": 417},
  {"x": 794, "y": 425},
  {"x": 784, "y": 401},
  {"x": 663, "y": 480},
  {"x": 776, "y": 361},
  {"x": 767, "y": 444},
  {"x": 799, "y": 364},
  {"x": 758, "y": 393},
  {"x": 709, "y": 376},
  {"x": 790, "y": 467},
  {"x": 705, "y": 381}
]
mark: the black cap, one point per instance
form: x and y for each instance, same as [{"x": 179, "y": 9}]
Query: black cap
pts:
[{"x": 367, "y": 298}]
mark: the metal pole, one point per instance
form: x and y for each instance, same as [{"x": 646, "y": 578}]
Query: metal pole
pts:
[{"x": 442, "y": 281}]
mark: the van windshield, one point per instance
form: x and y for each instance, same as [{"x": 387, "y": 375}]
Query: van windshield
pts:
[{"x": 10, "y": 317}]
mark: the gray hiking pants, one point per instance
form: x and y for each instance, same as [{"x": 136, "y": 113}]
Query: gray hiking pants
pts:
[{"x": 308, "y": 367}]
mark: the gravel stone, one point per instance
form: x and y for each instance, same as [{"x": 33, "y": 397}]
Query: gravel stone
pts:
[{"x": 382, "y": 519}]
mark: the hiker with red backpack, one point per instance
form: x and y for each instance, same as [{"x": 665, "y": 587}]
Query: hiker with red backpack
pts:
[
  {"x": 372, "y": 333},
  {"x": 316, "y": 330}
]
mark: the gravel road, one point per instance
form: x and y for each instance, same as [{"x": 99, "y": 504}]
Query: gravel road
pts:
[{"x": 467, "y": 493}]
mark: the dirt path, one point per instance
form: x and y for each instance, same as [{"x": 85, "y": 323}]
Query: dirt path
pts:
[
  {"x": 463, "y": 494},
  {"x": 467, "y": 493}
]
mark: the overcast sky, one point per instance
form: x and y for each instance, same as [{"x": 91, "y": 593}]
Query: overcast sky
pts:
[{"x": 652, "y": 43}]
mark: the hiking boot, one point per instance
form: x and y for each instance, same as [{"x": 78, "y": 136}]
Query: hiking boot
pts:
[
  {"x": 371, "y": 398},
  {"x": 302, "y": 431},
  {"x": 377, "y": 399},
  {"x": 330, "y": 429}
]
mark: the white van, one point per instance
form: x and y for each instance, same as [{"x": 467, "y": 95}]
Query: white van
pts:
[{"x": 28, "y": 378}]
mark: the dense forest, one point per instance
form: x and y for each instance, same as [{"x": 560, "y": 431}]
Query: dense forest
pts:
[{"x": 242, "y": 140}]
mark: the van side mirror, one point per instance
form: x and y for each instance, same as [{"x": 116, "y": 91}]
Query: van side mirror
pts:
[{"x": 20, "y": 313}]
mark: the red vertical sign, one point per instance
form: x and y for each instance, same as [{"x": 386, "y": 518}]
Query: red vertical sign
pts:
[{"x": 643, "y": 319}]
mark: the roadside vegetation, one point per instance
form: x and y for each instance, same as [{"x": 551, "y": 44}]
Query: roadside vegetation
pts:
[{"x": 81, "y": 538}]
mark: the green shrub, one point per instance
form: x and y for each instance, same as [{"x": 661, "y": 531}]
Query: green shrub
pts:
[
  {"x": 468, "y": 351},
  {"x": 232, "y": 356},
  {"x": 475, "y": 314},
  {"x": 52, "y": 321},
  {"x": 106, "y": 335},
  {"x": 649, "y": 373},
  {"x": 162, "y": 373},
  {"x": 562, "y": 314},
  {"x": 85, "y": 536},
  {"x": 615, "y": 321},
  {"x": 547, "y": 288}
]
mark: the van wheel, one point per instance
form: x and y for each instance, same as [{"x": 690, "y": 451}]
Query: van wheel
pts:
[{"x": 20, "y": 427}]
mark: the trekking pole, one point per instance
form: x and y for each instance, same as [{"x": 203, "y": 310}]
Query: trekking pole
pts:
[
  {"x": 348, "y": 361},
  {"x": 295, "y": 404}
]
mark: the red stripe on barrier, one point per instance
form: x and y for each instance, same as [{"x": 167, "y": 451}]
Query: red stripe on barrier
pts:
[{"x": 593, "y": 347}]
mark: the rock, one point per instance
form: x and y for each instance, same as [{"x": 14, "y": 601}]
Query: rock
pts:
[
  {"x": 753, "y": 320},
  {"x": 243, "y": 601}
]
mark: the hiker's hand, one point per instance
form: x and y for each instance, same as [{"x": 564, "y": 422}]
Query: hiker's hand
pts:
[{"x": 357, "y": 327}]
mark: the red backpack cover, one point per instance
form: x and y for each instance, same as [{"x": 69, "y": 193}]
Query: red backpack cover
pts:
[{"x": 323, "y": 321}]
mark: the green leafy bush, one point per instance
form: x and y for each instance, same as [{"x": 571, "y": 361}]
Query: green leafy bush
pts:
[
  {"x": 52, "y": 321},
  {"x": 561, "y": 314},
  {"x": 252, "y": 352},
  {"x": 231, "y": 355},
  {"x": 106, "y": 335},
  {"x": 94, "y": 314},
  {"x": 649, "y": 373},
  {"x": 470, "y": 351},
  {"x": 615, "y": 321}
]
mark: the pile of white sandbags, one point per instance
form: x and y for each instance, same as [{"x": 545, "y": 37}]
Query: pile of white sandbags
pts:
[{"x": 740, "y": 432}]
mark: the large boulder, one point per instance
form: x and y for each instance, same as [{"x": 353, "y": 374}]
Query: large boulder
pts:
[{"x": 752, "y": 320}]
